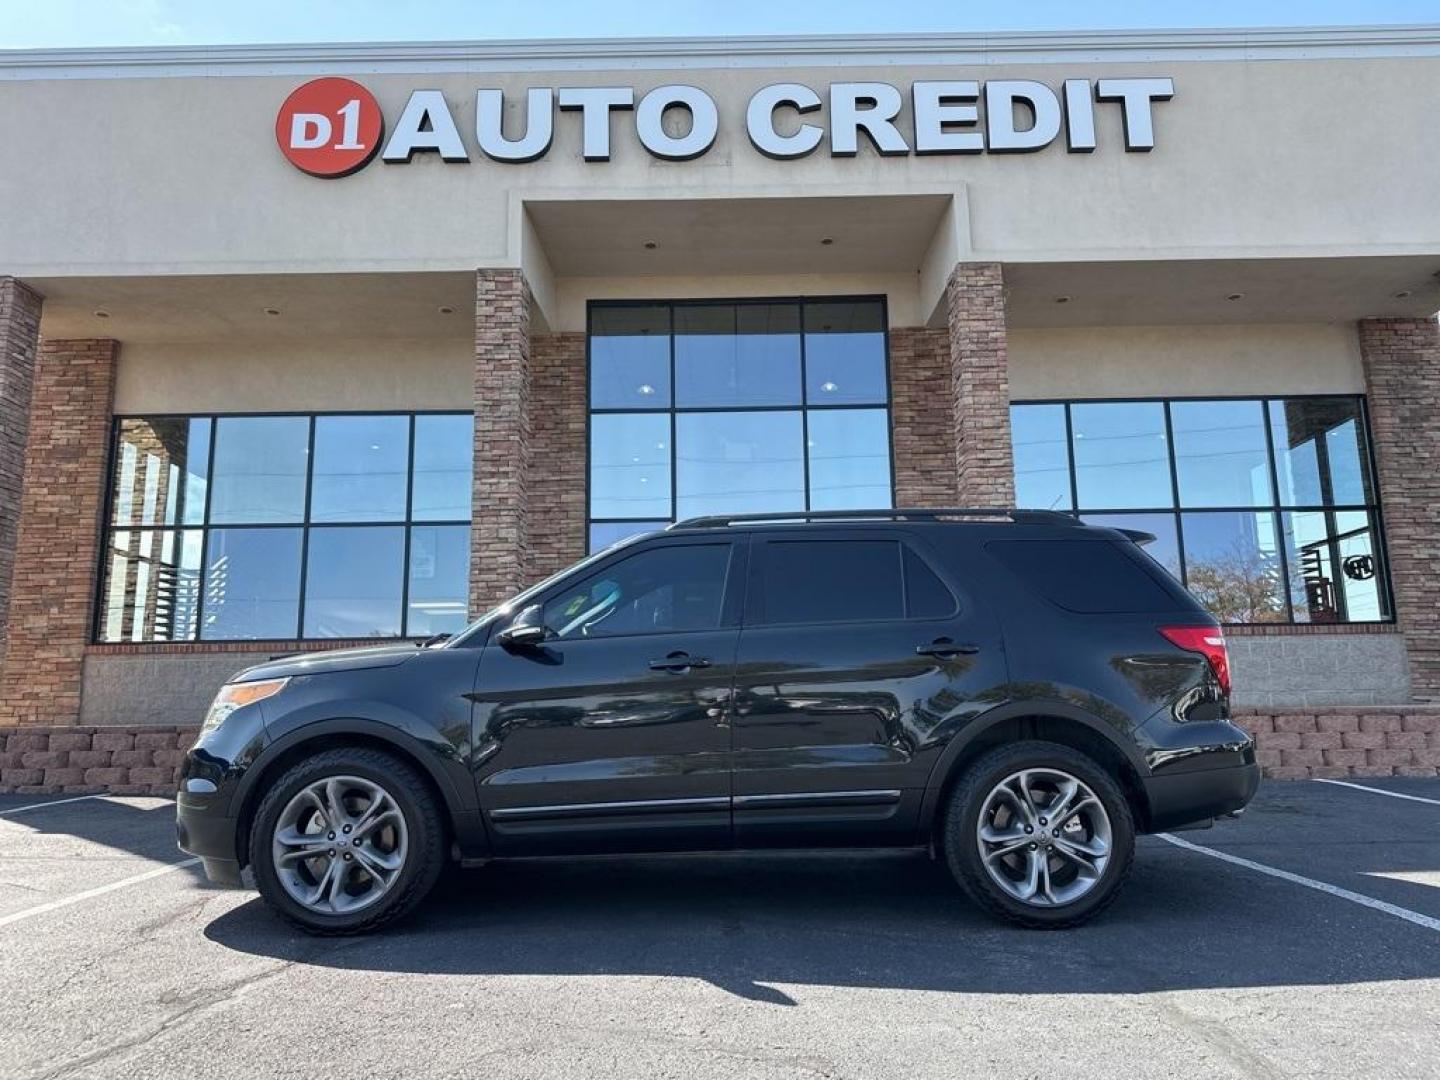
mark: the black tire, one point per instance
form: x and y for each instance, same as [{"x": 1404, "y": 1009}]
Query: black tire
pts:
[
  {"x": 424, "y": 861},
  {"x": 962, "y": 818}
]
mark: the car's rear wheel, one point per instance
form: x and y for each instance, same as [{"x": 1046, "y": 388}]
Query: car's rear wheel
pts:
[
  {"x": 1040, "y": 834},
  {"x": 347, "y": 841}
]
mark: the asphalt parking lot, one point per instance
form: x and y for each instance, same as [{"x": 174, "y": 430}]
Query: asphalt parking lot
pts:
[{"x": 118, "y": 960}]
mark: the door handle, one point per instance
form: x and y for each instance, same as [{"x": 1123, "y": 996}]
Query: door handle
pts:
[
  {"x": 945, "y": 649},
  {"x": 679, "y": 661}
]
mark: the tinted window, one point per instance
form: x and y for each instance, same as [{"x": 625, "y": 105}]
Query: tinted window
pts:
[
  {"x": 259, "y": 470},
  {"x": 810, "y": 581},
  {"x": 1122, "y": 458},
  {"x": 362, "y": 465},
  {"x": 444, "y": 450},
  {"x": 1220, "y": 453},
  {"x": 630, "y": 358},
  {"x": 747, "y": 354},
  {"x": 926, "y": 596},
  {"x": 1086, "y": 576},
  {"x": 353, "y": 582},
  {"x": 664, "y": 589},
  {"x": 1042, "y": 457},
  {"x": 738, "y": 462},
  {"x": 252, "y": 584},
  {"x": 849, "y": 458},
  {"x": 845, "y": 353}
]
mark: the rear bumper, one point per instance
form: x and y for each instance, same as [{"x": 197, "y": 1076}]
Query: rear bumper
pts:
[{"x": 1185, "y": 798}]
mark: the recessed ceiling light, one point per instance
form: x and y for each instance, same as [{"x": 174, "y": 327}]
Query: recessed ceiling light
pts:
[
  {"x": 1402, "y": 294},
  {"x": 645, "y": 389},
  {"x": 1062, "y": 299},
  {"x": 272, "y": 311},
  {"x": 445, "y": 309},
  {"x": 101, "y": 313},
  {"x": 829, "y": 387},
  {"x": 827, "y": 240},
  {"x": 1236, "y": 296},
  {"x": 651, "y": 245}
]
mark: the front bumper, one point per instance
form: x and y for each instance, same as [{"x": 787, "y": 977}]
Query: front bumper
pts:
[{"x": 202, "y": 831}]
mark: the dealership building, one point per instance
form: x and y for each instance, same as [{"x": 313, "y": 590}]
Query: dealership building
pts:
[{"x": 310, "y": 346}]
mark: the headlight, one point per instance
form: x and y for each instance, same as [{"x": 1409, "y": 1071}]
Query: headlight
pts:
[{"x": 233, "y": 695}]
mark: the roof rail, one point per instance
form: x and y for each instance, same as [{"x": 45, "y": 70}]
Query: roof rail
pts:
[{"x": 935, "y": 513}]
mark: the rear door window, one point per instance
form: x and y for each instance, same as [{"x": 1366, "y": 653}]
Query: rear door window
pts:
[
  {"x": 1086, "y": 576},
  {"x": 845, "y": 580}
]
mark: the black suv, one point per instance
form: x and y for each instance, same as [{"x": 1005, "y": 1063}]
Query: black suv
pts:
[{"x": 1017, "y": 691}]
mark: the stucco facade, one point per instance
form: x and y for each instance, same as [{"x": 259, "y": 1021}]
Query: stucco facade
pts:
[{"x": 163, "y": 258}]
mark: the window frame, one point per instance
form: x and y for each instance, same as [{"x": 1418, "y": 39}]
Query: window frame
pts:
[
  {"x": 1275, "y": 507},
  {"x": 672, "y": 410},
  {"x": 305, "y": 525}
]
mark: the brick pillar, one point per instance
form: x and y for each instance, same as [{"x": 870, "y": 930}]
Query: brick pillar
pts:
[
  {"x": 19, "y": 335},
  {"x": 1401, "y": 359},
  {"x": 56, "y": 555},
  {"x": 975, "y": 303},
  {"x": 556, "y": 486},
  {"x": 922, "y": 417},
  {"x": 500, "y": 536}
]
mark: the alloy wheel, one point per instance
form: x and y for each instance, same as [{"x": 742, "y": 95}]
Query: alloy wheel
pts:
[
  {"x": 1044, "y": 837},
  {"x": 340, "y": 844}
]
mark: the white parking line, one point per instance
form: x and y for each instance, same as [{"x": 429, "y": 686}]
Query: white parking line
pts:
[
  {"x": 66, "y": 901},
  {"x": 42, "y": 805},
  {"x": 1379, "y": 791},
  {"x": 1415, "y": 917}
]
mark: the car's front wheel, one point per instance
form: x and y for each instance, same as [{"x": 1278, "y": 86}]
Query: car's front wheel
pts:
[
  {"x": 1039, "y": 834},
  {"x": 347, "y": 841}
]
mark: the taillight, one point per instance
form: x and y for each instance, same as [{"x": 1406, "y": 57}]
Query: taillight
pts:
[{"x": 1209, "y": 642}]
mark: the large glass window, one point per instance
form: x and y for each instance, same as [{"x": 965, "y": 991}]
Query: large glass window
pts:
[
  {"x": 751, "y": 406},
  {"x": 224, "y": 528},
  {"x": 1264, "y": 507}
]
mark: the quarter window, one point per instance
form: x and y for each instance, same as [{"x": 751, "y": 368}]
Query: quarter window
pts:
[
  {"x": 224, "y": 528},
  {"x": 1264, "y": 507},
  {"x": 730, "y": 408}
]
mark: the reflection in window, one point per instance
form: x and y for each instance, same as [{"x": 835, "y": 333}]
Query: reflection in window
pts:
[
  {"x": 1335, "y": 573},
  {"x": 737, "y": 354},
  {"x": 630, "y": 357},
  {"x": 1042, "y": 457},
  {"x": 252, "y": 584},
  {"x": 1220, "y": 454},
  {"x": 444, "y": 450},
  {"x": 259, "y": 470},
  {"x": 1308, "y": 551},
  {"x": 849, "y": 458},
  {"x": 439, "y": 579},
  {"x": 738, "y": 463},
  {"x": 845, "y": 353},
  {"x": 1320, "y": 454},
  {"x": 1232, "y": 565},
  {"x": 630, "y": 465},
  {"x": 275, "y": 484},
  {"x": 748, "y": 432},
  {"x": 361, "y": 468},
  {"x": 1122, "y": 458},
  {"x": 353, "y": 582}
]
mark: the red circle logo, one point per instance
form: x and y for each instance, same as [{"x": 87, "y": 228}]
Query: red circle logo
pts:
[{"x": 329, "y": 127}]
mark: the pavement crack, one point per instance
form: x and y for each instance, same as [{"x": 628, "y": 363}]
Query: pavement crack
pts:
[
  {"x": 1249, "y": 1063},
  {"x": 209, "y": 999}
]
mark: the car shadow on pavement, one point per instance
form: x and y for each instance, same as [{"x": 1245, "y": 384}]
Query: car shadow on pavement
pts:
[
  {"x": 143, "y": 826},
  {"x": 753, "y": 923}
]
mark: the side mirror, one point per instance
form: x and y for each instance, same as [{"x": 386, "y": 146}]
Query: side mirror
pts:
[{"x": 525, "y": 631}]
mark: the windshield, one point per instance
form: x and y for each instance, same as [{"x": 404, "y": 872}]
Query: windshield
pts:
[{"x": 520, "y": 599}]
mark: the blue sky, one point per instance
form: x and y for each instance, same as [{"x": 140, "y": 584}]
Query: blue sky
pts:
[{"x": 70, "y": 23}]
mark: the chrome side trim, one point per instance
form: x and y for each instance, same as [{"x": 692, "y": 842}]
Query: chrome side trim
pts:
[
  {"x": 603, "y": 809},
  {"x": 878, "y": 797}
]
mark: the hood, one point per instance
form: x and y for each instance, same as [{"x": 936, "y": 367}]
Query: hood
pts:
[{"x": 377, "y": 656}]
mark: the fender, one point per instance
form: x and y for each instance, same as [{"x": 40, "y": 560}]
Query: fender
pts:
[
  {"x": 459, "y": 797},
  {"x": 1013, "y": 710}
]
